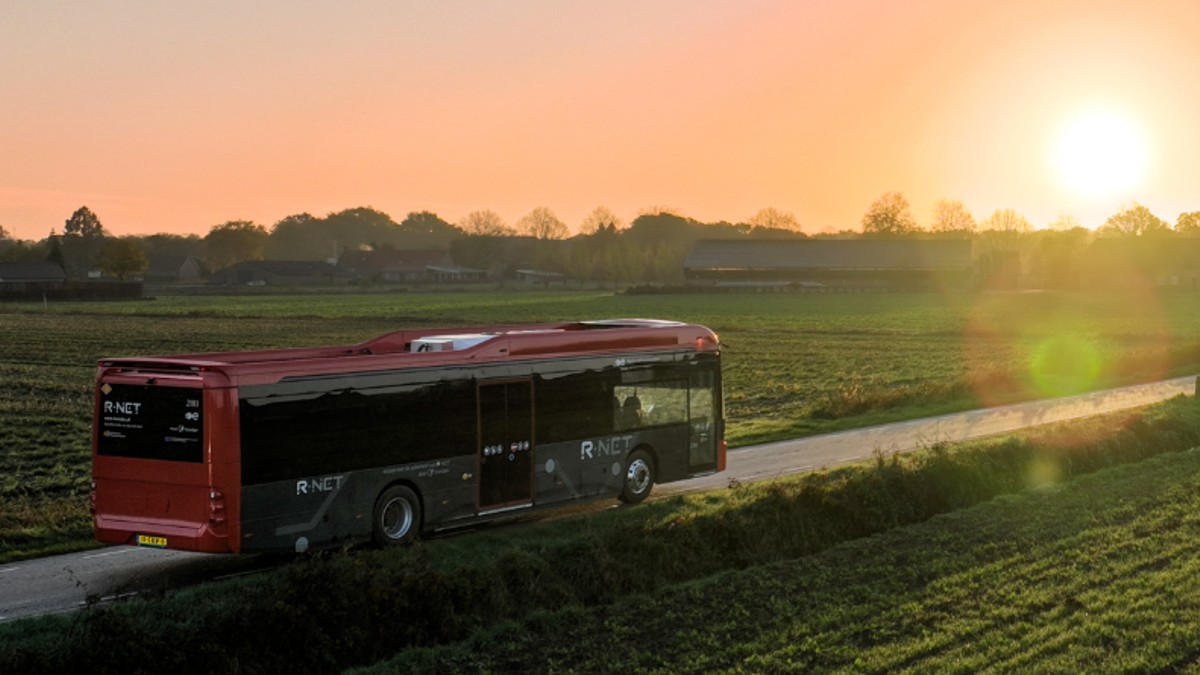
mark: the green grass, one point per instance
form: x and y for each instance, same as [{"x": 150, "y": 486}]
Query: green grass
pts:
[
  {"x": 794, "y": 364},
  {"x": 39, "y": 526},
  {"x": 1096, "y": 575},
  {"x": 807, "y": 572}
]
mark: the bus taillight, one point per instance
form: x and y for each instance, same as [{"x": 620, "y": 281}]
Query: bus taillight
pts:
[
  {"x": 92, "y": 499},
  {"x": 216, "y": 507},
  {"x": 722, "y": 449}
]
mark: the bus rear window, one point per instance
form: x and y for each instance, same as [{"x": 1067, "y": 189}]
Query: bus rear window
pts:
[{"x": 150, "y": 423}]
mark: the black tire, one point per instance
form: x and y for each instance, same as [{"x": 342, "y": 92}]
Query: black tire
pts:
[
  {"x": 639, "y": 477},
  {"x": 397, "y": 518}
]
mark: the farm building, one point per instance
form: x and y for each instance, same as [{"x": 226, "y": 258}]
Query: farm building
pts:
[
  {"x": 540, "y": 277},
  {"x": 168, "y": 268},
  {"x": 455, "y": 274},
  {"x": 30, "y": 280},
  {"x": 833, "y": 263},
  {"x": 48, "y": 281},
  {"x": 419, "y": 266},
  {"x": 1168, "y": 262},
  {"x": 32, "y": 273},
  {"x": 280, "y": 273},
  {"x": 392, "y": 265}
]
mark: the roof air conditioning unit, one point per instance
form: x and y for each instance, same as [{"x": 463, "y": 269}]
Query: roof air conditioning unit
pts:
[{"x": 445, "y": 343}]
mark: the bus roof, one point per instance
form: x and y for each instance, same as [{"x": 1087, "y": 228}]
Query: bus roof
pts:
[{"x": 432, "y": 347}]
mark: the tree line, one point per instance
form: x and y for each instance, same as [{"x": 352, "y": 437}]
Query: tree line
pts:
[{"x": 649, "y": 249}]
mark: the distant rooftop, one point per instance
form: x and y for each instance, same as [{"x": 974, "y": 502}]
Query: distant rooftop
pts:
[
  {"x": 38, "y": 271},
  {"x": 830, "y": 254}
]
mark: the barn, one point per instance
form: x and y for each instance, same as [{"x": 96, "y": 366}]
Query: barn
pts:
[
  {"x": 833, "y": 263},
  {"x": 410, "y": 266},
  {"x": 170, "y": 268},
  {"x": 29, "y": 281}
]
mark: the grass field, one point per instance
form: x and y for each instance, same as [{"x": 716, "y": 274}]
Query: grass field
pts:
[{"x": 795, "y": 364}]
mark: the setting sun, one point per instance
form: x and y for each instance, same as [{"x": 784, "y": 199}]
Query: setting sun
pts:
[{"x": 1100, "y": 153}]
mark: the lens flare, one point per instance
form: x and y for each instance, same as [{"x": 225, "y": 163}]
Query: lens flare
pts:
[
  {"x": 1064, "y": 365},
  {"x": 1043, "y": 472},
  {"x": 1022, "y": 346}
]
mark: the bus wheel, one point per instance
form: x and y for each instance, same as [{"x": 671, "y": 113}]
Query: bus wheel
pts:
[
  {"x": 397, "y": 516},
  {"x": 639, "y": 477}
]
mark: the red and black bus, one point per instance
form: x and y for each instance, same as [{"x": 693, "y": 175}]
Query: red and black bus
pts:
[{"x": 413, "y": 431}]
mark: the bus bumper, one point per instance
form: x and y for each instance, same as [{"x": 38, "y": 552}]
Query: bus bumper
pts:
[{"x": 172, "y": 534}]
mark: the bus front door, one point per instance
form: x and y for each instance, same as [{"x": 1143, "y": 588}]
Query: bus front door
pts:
[{"x": 505, "y": 445}]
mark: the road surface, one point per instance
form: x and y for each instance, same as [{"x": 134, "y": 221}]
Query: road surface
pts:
[
  {"x": 68, "y": 582},
  {"x": 770, "y": 460}
]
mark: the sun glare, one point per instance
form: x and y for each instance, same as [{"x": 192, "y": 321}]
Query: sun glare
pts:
[{"x": 1101, "y": 153}]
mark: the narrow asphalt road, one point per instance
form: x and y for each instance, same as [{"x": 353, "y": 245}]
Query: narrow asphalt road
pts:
[
  {"x": 68, "y": 582},
  {"x": 770, "y": 460}
]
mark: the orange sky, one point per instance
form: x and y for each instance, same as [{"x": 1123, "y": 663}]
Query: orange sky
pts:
[{"x": 174, "y": 117}]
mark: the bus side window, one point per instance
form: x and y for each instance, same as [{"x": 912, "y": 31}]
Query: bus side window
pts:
[
  {"x": 630, "y": 415},
  {"x": 572, "y": 407},
  {"x": 649, "y": 404}
]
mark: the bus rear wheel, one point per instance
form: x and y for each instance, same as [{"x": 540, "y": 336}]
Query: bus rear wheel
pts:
[
  {"x": 639, "y": 477},
  {"x": 397, "y": 516}
]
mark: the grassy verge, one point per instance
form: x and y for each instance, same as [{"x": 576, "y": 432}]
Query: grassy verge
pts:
[
  {"x": 35, "y": 527},
  {"x": 333, "y": 611},
  {"x": 1097, "y": 575}
]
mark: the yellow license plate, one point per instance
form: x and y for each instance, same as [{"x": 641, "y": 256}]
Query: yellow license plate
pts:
[{"x": 147, "y": 540}]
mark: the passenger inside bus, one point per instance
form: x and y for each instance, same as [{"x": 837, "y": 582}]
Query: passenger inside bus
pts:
[{"x": 631, "y": 413}]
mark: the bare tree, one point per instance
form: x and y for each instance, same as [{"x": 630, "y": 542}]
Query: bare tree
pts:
[
  {"x": 486, "y": 223},
  {"x": 773, "y": 219},
  {"x": 1006, "y": 220},
  {"x": 1065, "y": 222},
  {"x": 541, "y": 223},
  {"x": 889, "y": 214},
  {"x": 1135, "y": 221},
  {"x": 1005, "y": 229},
  {"x": 601, "y": 218},
  {"x": 949, "y": 215}
]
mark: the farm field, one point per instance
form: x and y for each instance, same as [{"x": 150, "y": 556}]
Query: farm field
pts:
[{"x": 795, "y": 364}]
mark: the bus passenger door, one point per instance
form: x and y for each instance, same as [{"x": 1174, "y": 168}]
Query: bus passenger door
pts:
[
  {"x": 505, "y": 445},
  {"x": 702, "y": 422}
]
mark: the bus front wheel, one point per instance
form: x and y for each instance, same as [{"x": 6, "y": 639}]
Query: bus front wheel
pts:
[
  {"x": 397, "y": 516},
  {"x": 639, "y": 477}
]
